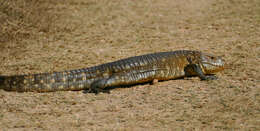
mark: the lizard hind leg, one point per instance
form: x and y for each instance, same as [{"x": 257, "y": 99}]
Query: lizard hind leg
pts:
[{"x": 97, "y": 87}]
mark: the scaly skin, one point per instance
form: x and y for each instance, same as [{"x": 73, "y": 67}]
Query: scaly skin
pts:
[{"x": 129, "y": 71}]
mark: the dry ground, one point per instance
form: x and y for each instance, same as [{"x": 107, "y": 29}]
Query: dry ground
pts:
[{"x": 91, "y": 32}]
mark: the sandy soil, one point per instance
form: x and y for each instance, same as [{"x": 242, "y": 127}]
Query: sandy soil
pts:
[{"x": 98, "y": 31}]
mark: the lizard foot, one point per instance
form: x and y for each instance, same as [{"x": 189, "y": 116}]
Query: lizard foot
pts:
[
  {"x": 210, "y": 78},
  {"x": 96, "y": 91}
]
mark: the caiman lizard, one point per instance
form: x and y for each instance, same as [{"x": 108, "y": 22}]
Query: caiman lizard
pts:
[{"x": 133, "y": 70}]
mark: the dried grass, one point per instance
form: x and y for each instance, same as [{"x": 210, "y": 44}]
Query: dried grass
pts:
[{"x": 20, "y": 19}]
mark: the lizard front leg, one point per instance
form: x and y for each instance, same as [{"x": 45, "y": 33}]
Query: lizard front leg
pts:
[{"x": 195, "y": 69}]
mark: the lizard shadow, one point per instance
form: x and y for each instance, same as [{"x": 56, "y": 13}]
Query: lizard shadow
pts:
[{"x": 109, "y": 88}]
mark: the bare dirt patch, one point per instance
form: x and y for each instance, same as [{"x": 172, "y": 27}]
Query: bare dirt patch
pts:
[{"x": 91, "y": 32}]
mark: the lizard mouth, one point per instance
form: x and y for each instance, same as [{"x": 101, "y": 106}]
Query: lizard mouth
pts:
[
  {"x": 211, "y": 68},
  {"x": 217, "y": 64}
]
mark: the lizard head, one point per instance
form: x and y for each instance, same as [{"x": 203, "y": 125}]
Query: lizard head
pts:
[{"x": 211, "y": 64}]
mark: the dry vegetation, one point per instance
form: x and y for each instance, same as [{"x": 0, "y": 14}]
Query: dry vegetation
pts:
[
  {"x": 22, "y": 19},
  {"x": 46, "y": 36}
]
